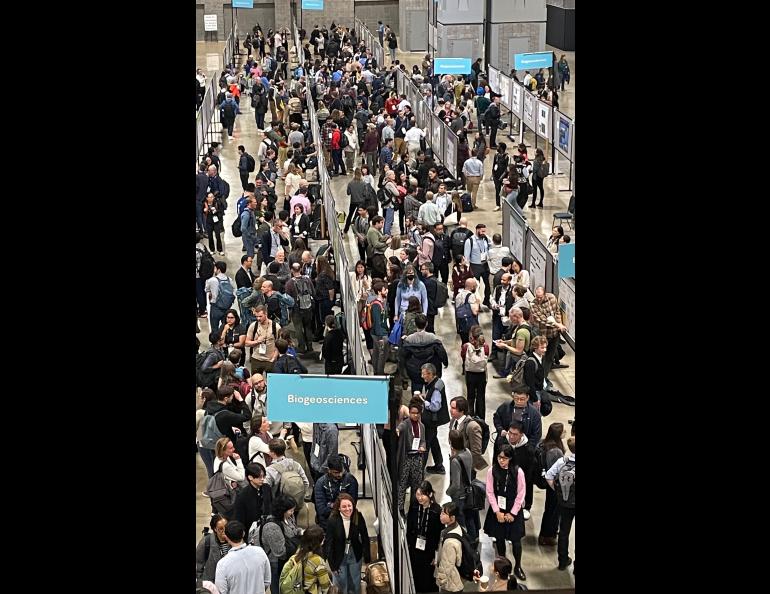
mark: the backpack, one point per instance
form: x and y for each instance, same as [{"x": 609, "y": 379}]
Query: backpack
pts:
[
  {"x": 289, "y": 483},
  {"x": 475, "y": 359},
  {"x": 517, "y": 377},
  {"x": 221, "y": 493},
  {"x": 367, "y": 320},
  {"x": 304, "y": 294},
  {"x": 564, "y": 483},
  {"x": 207, "y": 378},
  {"x": 292, "y": 580},
  {"x": 242, "y": 445},
  {"x": 485, "y": 433},
  {"x": 545, "y": 169},
  {"x": 457, "y": 240},
  {"x": 344, "y": 142},
  {"x": 225, "y": 191},
  {"x": 437, "y": 258},
  {"x": 470, "y": 561},
  {"x": 207, "y": 264},
  {"x": 236, "y": 228},
  {"x": 541, "y": 467},
  {"x": 377, "y": 578},
  {"x": 226, "y": 296},
  {"x": 442, "y": 294},
  {"x": 210, "y": 432},
  {"x": 381, "y": 196},
  {"x": 290, "y": 365},
  {"x": 464, "y": 316},
  {"x": 467, "y": 202},
  {"x": 474, "y": 492},
  {"x": 251, "y": 164},
  {"x": 228, "y": 110}
]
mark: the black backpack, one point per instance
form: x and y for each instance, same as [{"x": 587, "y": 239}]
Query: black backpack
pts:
[
  {"x": 290, "y": 365},
  {"x": 228, "y": 110},
  {"x": 470, "y": 561},
  {"x": 344, "y": 142},
  {"x": 251, "y": 164},
  {"x": 207, "y": 264},
  {"x": 205, "y": 379},
  {"x": 236, "y": 228},
  {"x": 457, "y": 241},
  {"x": 541, "y": 467},
  {"x": 485, "y": 433}
]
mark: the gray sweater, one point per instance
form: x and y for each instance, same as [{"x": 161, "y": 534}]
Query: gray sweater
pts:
[
  {"x": 205, "y": 568},
  {"x": 273, "y": 539},
  {"x": 455, "y": 489}
]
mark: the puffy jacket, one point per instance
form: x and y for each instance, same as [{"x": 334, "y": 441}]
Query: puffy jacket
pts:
[
  {"x": 421, "y": 348},
  {"x": 326, "y": 492}
]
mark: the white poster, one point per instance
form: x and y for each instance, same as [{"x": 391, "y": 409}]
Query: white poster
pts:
[
  {"x": 567, "y": 304},
  {"x": 529, "y": 110},
  {"x": 517, "y": 232},
  {"x": 450, "y": 153},
  {"x": 494, "y": 82},
  {"x": 505, "y": 90},
  {"x": 435, "y": 141},
  {"x": 516, "y": 91},
  {"x": 212, "y": 61},
  {"x": 209, "y": 22},
  {"x": 538, "y": 256},
  {"x": 544, "y": 120}
]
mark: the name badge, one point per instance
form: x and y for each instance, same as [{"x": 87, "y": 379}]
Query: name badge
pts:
[
  {"x": 317, "y": 450},
  {"x": 215, "y": 218},
  {"x": 420, "y": 545},
  {"x": 483, "y": 256},
  {"x": 347, "y": 547},
  {"x": 501, "y": 503},
  {"x": 262, "y": 349},
  {"x": 416, "y": 444}
]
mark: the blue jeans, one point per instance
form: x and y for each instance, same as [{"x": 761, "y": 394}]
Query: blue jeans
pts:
[
  {"x": 199, "y": 216},
  {"x": 275, "y": 571},
  {"x": 215, "y": 317},
  {"x": 388, "y": 213},
  {"x": 250, "y": 244},
  {"x": 208, "y": 459},
  {"x": 349, "y": 578}
]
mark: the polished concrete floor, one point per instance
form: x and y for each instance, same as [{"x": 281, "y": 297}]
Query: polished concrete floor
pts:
[{"x": 539, "y": 562}]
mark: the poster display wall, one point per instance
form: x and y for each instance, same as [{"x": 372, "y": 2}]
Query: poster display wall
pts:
[
  {"x": 567, "y": 304},
  {"x": 437, "y": 127},
  {"x": 517, "y": 228},
  {"x": 494, "y": 82},
  {"x": 562, "y": 134},
  {"x": 450, "y": 152},
  {"x": 543, "y": 120},
  {"x": 505, "y": 90},
  {"x": 538, "y": 257},
  {"x": 516, "y": 92},
  {"x": 529, "y": 114}
]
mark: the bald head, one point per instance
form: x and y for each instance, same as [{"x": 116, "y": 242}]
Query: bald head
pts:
[
  {"x": 463, "y": 222},
  {"x": 470, "y": 284}
]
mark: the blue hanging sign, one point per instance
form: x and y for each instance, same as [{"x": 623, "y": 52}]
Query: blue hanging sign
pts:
[
  {"x": 327, "y": 399},
  {"x": 567, "y": 260},
  {"x": 312, "y": 4},
  {"x": 243, "y": 3},
  {"x": 452, "y": 66},
  {"x": 533, "y": 61}
]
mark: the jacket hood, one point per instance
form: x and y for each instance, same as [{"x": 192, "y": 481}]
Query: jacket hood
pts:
[
  {"x": 522, "y": 442},
  {"x": 421, "y": 338},
  {"x": 213, "y": 407}
]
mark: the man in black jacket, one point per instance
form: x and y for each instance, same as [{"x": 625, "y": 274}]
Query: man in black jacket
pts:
[
  {"x": 329, "y": 486},
  {"x": 519, "y": 409},
  {"x": 332, "y": 347},
  {"x": 419, "y": 348},
  {"x": 253, "y": 502},
  {"x": 201, "y": 191},
  {"x": 237, "y": 413},
  {"x": 492, "y": 118},
  {"x": 431, "y": 288},
  {"x": 243, "y": 165},
  {"x": 245, "y": 277}
]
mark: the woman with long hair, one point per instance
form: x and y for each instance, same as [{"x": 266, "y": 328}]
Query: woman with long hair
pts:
[
  {"x": 346, "y": 544},
  {"x": 279, "y": 536},
  {"x": 316, "y": 577},
  {"x": 233, "y": 333},
  {"x": 423, "y": 531},
  {"x": 299, "y": 226},
  {"x": 550, "y": 450},
  {"x": 230, "y": 462},
  {"x": 393, "y": 280},
  {"x": 260, "y": 437},
  {"x": 295, "y": 256},
  {"x": 362, "y": 284},
  {"x": 460, "y": 273},
  {"x": 410, "y": 286},
  {"x": 412, "y": 310},
  {"x": 520, "y": 276},
  {"x": 503, "y": 580},
  {"x": 506, "y": 489},
  {"x": 211, "y": 548},
  {"x": 553, "y": 241}
]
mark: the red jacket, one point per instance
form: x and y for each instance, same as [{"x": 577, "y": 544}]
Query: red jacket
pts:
[
  {"x": 336, "y": 137},
  {"x": 391, "y": 105}
]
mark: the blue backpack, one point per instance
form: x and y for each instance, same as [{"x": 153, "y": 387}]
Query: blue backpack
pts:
[
  {"x": 225, "y": 297},
  {"x": 464, "y": 315}
]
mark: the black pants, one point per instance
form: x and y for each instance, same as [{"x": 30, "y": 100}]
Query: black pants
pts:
[
  {"x": 537, "y": 182},
  {"x": 479, "y": 271},
  {"x": 351, "y": 213},
  {"x": 566, "y": 515},
  {"x": 213, "y": 232},
  {"x": 493, "y": 134},
  {"x": 444, "y": 271},
  {"x": 476, "y": 385},
  {"x": 339, "y": 163},
  {"x": 333, "y": 368},
  {"x": 431, "y": 319},
  {"x": 244, "y": 178},
  {"x": 549, "y": 525},
  {"x": 498, "y": 189},
  {"x": 361, "y": 251},
  {"x": 432, "y": 445},
  {"x": 260, "y": 119},
  {"x": 200, "y": 295},
  {"x": 229, "y": 125},
  {"x": 515, "y": 544},
  {"x": 401, "y": 214},
  {"x": 550, "y": 353},
  {"x": 302, "y": 319}
]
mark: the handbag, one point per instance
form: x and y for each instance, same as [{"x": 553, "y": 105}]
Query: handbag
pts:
[
  {"x": 394, "y": 337},
  {"x": 474, "y": 493}
]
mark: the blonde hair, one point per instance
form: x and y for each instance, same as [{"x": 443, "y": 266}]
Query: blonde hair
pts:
[{"x": 221, "y": 447}]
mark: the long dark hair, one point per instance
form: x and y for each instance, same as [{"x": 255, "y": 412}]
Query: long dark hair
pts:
[
  {"x": 553, "y": 438},
  {"x": 310, "y": 543},
  {"x": 497, "y": 471}
]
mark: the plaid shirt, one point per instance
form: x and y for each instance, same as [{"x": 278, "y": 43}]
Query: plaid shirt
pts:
[
  {"x": 549, "y": 306},
  {"x": 326, "y": 134}
]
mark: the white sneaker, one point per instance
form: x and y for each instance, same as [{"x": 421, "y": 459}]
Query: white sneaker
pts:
[
  {"x": 497, "y": 208},
  {"x": 221, "y": 253},
  {"x": 204, "y": 493},
  {"x": 527, "y": 515}
]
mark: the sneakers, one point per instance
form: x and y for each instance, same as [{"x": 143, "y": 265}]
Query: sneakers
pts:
[
  {"x": 435, "y": 470},
  {"x": 221, "y": 253},
  {"x": 559, "y": 366},
  {"x": 519, "y": 573},
  {"x": 564, "y": 565},
  {"x": 496, "y": 208},
  {"x": 527, "y": 515},
  {"x": 204, "y": 493}
]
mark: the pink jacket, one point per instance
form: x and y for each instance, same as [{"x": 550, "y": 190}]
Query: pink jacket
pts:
[{"x": 521, "y": 487}]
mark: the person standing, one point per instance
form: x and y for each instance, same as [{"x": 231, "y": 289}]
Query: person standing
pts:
[
  {"x": 392, "y": 45},
  {"x": 492, "y": 119},
  {"x": 561, "y": 478},
  {"x": 346, "y": 544},
  {"x": 473, "y": 170},
  {"x": 450, "y": 552},
  {"x": 461, "y": 473},
  {"x": 332, "y": 350},
  {"x": 434, "y": 395},
  {"x": 357, "y": 191},
  {"x": 249, "y": 227},
  {"x": 474, "y": 355},
  {"x": 243, "y": 165},
  {"x": 537, "y": 178},
  {"x": 245, "y": 568},
  {"x": 550, "y": 450},
  {"x": 423, "y": 531},
  {"x": 476, "y": 252},
  {"x": 499, "y": 171},
  {"x": 412, "y": 445},
  {"x": 336, "y": 149},
  {"x": 379, "y": 330},
  {"x": 221, "y": 292}
]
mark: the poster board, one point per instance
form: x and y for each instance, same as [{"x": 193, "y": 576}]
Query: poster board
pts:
[
  {"x": 517, "y": 233},
  {"x": 529, "y": 116},
  {"x": 450, "y": 151},
  {"x": 562, "y": 134},
  {"x": 543, "y": 120},
  {"x": 517, "y": 91},
  {"x": 505, "y": 90},
  {"x": 210, "y": 22},
  {"x": 567, "y": 305},
  {"x": 437, "y": 128},
  {"x": 537, "y": 262},
  {"x": 494, "y": 82}
]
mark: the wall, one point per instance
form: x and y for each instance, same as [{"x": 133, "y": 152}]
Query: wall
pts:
[
  {"x": 414, "y": 32},
  {"x": 448, "y": 34},
  {"x": 461, "y": 11},
  {"x": 561, "y": 24},
  {"x": 518, "y": 11},
  {"x": 387, "y": 11},
  {"x": 535, "y": 34},
  {"x": 338, "y": 11}
]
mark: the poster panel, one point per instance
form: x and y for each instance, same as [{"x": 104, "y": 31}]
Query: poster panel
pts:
[
  {"x": 529, "y": 116},
  {"x": 517, "y": 233},
  {"x": 567, "y": 304},
  {"x": 505, "y": 90},
  {"x": 562, "y": 134},
  {"x": 436, "y": 144},
  {"x": 494, "y": 82},
  {"x": 538, "y": 258},
  {"x": 543, "y": 120},
  {"x": 516, "y": 98},
  {"x": 450, "y": 152}
]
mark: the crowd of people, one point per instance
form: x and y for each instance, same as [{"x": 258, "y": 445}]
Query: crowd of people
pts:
[{"x": 286, "y": 297}]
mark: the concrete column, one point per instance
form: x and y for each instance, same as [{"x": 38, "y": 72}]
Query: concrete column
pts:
[
  {"x": 460, "y": 28},
  {"x": 518, "y": 26},
  {"x": 338, "y": 11},
  {"x": 412, "y": 16}
]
